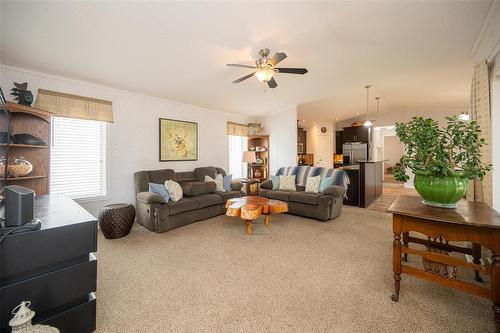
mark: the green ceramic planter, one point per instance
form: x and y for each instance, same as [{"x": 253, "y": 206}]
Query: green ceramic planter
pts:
[{"x": 441, "y": 191}]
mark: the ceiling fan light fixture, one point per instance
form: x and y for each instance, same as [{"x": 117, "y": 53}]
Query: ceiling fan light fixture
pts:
[{"x": 264, "y": 75}]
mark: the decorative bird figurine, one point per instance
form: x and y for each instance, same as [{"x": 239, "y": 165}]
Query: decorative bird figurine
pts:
[{"x": 23, "y": 96}]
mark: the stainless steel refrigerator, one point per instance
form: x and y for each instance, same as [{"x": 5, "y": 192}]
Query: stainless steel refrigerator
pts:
[{"x": 353, "y": 152}]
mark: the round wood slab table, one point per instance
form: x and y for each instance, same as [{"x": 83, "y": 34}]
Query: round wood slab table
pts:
[{"x": 250, "y": 208}]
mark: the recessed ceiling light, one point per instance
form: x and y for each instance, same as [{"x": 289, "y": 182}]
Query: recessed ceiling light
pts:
[{"x": 303, "y": 120}]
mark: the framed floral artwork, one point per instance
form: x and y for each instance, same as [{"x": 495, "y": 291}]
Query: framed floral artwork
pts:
[{"x": 178, "y": 140}]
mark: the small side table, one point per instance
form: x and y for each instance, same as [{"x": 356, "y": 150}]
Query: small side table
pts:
[
  {"x": 116, "y": 220},
  {"x": 251, "y": 186}
]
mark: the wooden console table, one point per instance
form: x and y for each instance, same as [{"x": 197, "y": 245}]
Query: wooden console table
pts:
[{"x": 471, "y": 222}]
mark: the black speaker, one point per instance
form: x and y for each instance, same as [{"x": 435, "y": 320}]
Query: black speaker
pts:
[{"x": 18, "y": 205}]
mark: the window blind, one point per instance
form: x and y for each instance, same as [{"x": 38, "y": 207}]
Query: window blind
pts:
[{"x": 78, "y": 157}]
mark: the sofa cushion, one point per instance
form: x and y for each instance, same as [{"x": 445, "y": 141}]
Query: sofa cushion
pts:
[
  {"x": 226, "y": 181},
  {"x": 287, "y": 183},
  {"x": 220, "y": 171},
  {"x": 299, "y": 188},
  {"x": 219, "y": 182},
  {"x": 267, "y": 184},
  {"x": 305, "y": 197},
  {"x": 197, "y": 188},
  {"x": 205, "y": 171},
  {"x": 225, "y": 196},
  {"x": 150, "y": 198},
  {"x": 185, "y": 177},
  {"x": 161, "y": 176},
  {"x": 181, "y": 206},
  {"x": 174, "y": 190},
  {"x": 282, "y": 195},
  {"x": 160, "y": 189},
  {"x": 312, "y": 184},
  {"x": 206, "y": 200},
  {"x": 287, "y": 171},
  {"x": 304, "y": 172},
  {"x": 236, "y": 185}
]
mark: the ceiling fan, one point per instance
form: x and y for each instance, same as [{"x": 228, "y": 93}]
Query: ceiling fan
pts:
[{"x": 265, "y": 68}]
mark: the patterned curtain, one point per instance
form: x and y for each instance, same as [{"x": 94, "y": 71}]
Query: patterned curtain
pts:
[{"x": 480, "y": 191}]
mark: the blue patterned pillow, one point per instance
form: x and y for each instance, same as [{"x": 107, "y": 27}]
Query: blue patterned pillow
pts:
[
  {"x": 160, "y": 189},
  {"x": 227, "y": 182},
  {"x": 276, "y": 182}
]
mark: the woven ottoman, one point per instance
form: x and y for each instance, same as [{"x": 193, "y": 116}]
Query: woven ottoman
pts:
[{"x": 116, "y": 220}]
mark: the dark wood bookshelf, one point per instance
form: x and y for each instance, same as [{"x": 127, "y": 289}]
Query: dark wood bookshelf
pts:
[
  {"x": 261, "y": 141},
  {"x": 25, "y": 119}
]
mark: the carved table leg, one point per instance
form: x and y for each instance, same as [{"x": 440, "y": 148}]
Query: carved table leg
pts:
[
  {"x": 476, "y": 254},
  {"x": 396, "y": 262},
  {"x": 495, "y": 288},
  {"x": 406, "y": 240},
  {"x": 266, "y": 219},
  {"x": 249, "y": 227}
]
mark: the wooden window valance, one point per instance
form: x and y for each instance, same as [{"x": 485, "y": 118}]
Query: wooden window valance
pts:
[
  {"x": 73, "y": 106},
  {"x": 237, "y": 129}
]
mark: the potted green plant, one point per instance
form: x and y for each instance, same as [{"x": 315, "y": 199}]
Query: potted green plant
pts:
[{"x": 442, "y": 159}]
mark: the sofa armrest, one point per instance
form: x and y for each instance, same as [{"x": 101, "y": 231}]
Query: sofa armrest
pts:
[
  {"x": 268, "y": 184},
  {"x": 150, "y": 197},
  {"x": 335, "y": 190},
  {"x": 236, "y": 185}
]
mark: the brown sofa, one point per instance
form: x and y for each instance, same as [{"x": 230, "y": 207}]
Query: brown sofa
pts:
[{"x": 200, "y": 200}]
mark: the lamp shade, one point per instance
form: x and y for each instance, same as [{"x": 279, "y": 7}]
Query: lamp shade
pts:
[{"x": 249, "y": 157}]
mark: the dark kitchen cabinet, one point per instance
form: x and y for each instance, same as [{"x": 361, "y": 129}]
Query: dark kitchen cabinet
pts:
[
  {"x": 339, "y": 141},
  {"x": 355, "y": 134}
]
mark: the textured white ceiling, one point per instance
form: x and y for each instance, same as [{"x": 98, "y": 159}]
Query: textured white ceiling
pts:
[{"x": 416, "y": 54}]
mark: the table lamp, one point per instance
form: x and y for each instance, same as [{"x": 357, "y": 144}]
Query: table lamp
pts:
[{"x": 249, "y": 157}]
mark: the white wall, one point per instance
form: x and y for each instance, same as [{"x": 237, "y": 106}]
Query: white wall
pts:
[
  {"x": 133, "y": 137},
  {"x": 282, "y": 128},
  {"x": 393, "y": 150}
]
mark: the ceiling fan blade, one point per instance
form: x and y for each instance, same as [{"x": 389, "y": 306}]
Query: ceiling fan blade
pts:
[
  {"x": 239, "y": 65},
  {"x": 244, "y": 78},
  {"x": 272, "y": 83},
  {"x": 292, "y": 70},
  {"x": 277, "y": 58}
]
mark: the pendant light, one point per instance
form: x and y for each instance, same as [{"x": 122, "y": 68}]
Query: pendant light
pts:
[
  {"x": 377, "y": 99},
  {"x": 367, "y": 123}
]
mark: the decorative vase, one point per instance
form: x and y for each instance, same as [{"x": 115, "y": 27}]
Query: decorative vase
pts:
[{"x": 441, "y": 191}]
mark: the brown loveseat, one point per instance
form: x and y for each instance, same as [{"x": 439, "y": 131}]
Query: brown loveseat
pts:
[{"x": 199, "y": 202}]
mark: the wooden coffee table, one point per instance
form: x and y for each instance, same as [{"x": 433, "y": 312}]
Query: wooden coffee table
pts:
[{"x": 250, "y": 208}]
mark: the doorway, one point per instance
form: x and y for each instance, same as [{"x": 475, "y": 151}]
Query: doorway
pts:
[
  {"x": 323, "y": 151},
  {"x": 393, "y": 150}
]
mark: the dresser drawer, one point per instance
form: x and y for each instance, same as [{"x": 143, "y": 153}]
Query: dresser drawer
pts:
[
  {"x": 78, "y": 319},
  {"x": 32, "y": 250},
  {"x": 50, "y": 290}
]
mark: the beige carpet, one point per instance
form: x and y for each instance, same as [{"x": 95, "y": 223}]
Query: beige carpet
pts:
[{"x": 299, "y": 275}]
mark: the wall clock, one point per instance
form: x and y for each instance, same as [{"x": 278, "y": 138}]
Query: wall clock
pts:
[{"x": 323, "y": 129}]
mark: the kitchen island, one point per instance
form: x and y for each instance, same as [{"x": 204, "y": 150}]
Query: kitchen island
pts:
[{"x": 365, "y": 182}]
